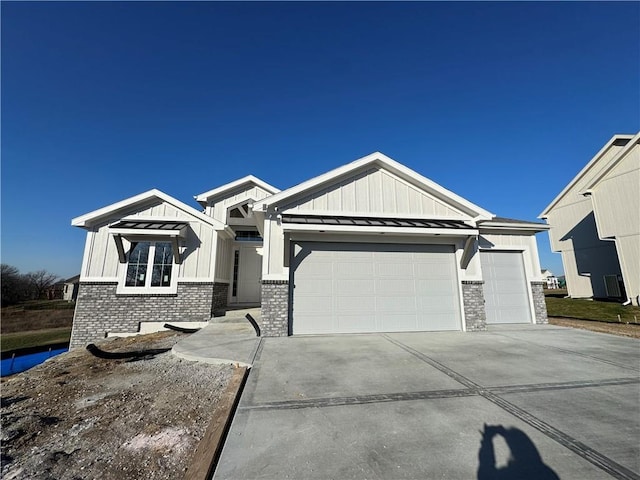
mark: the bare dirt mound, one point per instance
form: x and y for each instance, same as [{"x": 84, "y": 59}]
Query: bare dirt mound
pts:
[{"x": 77, "y": 416}]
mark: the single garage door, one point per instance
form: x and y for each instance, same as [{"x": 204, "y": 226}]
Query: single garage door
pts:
[
  {"x": 505, "y": 287},
  {"x": 364, "y": 287}
]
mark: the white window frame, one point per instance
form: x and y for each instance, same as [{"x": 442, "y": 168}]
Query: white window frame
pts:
[{"x": 147, "y": 289}]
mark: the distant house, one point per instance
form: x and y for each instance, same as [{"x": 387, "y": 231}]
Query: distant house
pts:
[
  {"x": 70, "y": 289},
  {"x": 371, "y": 246},
  {"x": 595, "y": 224},
  {"x": 54, "y": 292},
  {"x": 550, "y": 278}
]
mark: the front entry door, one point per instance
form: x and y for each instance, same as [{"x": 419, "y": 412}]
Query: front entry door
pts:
[{"x": 249, "y": 274}]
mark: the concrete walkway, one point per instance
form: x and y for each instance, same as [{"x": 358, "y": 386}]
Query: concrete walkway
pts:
[
  {"x": 227, "y": 339},
  {"x": 517, "y": 402}
]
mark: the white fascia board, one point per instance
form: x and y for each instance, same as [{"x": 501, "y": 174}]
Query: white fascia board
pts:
[
  {"x": 203, "y": 198},
  {"x": 448, "y": 232},
  {"x": 383, "y": 161},
  {"x": 612, "y": 163},
  {"x": 582, "y": 173},
  {"x": 85, "y": 220}
]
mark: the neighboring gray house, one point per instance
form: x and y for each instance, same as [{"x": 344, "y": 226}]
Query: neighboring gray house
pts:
[
  {"x": 368, "y": 247},
  {"x": 595, "y": 224}
]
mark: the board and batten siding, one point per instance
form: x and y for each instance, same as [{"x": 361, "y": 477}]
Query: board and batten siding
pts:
[
  {"x": 373, "y": 192},
  {"x": 101, "y": 256},
  {"x": 585, "y": 257},
  {"x": 616, "y": 204},
  {"x": 223, "y": 260}
]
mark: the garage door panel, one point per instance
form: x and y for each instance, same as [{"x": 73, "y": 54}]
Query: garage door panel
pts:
[
  {"x": 437, "y": 321},
  {"x": 398, "y": 322},
  {"x": 441, "y": 303},
  {"x": 350, "y": 287},
  {"x": 375, "y": 288},
  {"x": 314, "y": 303},
  {"x": 391, "y": 286},
  {"x": 398, "y": 270},
  {"x": 345, "y": 305},
  {"x": 314, "y": 286},
  {"x": 505, "y": 287},
  {"x": 355, "y": 323},
  {"x": 434, "y": 287},
  {"x": 348, "y": 269},
  {"x": 392, "y": 304}
]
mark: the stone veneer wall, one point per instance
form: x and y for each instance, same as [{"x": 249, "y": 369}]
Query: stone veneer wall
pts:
[
  {"x": 100, "y": 310},
  {"x": 539, "y": 303},
  {"x": 220, "y": 297},
  {"x": 275, "y": 308},
  {"x": 474, "y": 310}
]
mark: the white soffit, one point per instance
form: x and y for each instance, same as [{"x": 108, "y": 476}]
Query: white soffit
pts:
[
  {"x": 86, "y": 220},
  {"x": 386, "y": 163},
  {"x": 204, "y": 197}
]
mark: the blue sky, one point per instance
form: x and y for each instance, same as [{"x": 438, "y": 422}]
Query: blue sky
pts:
[{"x": 502, "y": 103}]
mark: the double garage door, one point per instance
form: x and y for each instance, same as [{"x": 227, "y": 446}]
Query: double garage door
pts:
[{"x": 364, "y": 287}]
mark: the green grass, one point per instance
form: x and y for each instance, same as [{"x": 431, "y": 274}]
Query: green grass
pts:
[
  {"x": 50, "y": 336},
  {"x": 40, "y": 305},
  {"x": 591, "y": 310}
]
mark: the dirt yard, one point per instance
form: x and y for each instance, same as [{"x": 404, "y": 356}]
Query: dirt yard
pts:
[
  {"x": 625, "y": 330},
  {"x": 77, "y": 416}
]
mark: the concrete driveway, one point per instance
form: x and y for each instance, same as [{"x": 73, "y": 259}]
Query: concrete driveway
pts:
[{"x": 562, "y": 403}]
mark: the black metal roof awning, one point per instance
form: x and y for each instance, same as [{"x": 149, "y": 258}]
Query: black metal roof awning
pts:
[
  {"x": 373, "y": 221},
  {"x": 134, "y": 230},
  {"x": 150, "y": 224}
]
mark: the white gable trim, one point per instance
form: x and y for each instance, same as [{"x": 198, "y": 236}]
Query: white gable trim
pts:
[
  {"x": 583, "y": 172},
  {"x": 204, "y": 197},
  {"x": 87, "y": 219},
  {"x": 386, "y": 163},
  {"x": 614, "y": 161}
]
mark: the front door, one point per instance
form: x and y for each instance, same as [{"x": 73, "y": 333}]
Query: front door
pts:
[{"x": 249, "y": 274}]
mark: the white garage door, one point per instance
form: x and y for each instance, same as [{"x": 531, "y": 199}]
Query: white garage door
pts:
[
  {"x": 363, "y": 287},
  {"x": 505, "y": 287}
]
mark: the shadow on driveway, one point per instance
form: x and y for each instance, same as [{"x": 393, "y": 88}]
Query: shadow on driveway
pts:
[{"x": 524, "y": 462}]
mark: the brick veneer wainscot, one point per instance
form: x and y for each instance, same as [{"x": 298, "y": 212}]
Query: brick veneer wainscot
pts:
[
  {"x": 473, "y": 301},
  {"x": 100, "y": 310},
  {"x": 275, "y": 308}
]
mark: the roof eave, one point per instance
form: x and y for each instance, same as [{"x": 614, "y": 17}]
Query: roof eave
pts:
[
  {"x": 384, "y": 161},
  {"x": 204, "y": 198},
  {"x": 88, "y": 219},
  {"x": 614, "y": 161},
  {"x": 582, "y": 172}
]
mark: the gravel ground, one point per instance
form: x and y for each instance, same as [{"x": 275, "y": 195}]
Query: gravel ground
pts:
[
  {"x": 80, "y": 417},
  {"x": 622, "y": 329}
]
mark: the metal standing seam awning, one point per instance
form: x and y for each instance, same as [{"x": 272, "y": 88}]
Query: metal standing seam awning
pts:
[
  {"x": 133, "y": 228},
  {"x": 373, "y": 221},
  {"x": 426, "y": 226}
]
